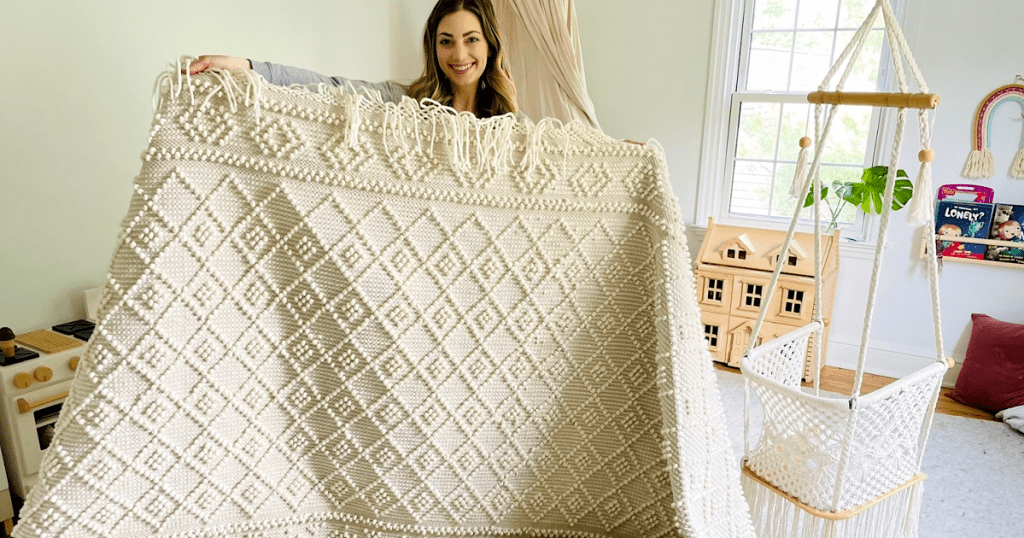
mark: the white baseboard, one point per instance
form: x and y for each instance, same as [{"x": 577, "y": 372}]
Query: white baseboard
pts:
[{"x": 885, "y": 358}]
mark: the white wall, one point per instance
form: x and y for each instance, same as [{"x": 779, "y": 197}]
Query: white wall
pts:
[
  {"x": 647, "y": 69},
  {"x": 76, "y": 81}
]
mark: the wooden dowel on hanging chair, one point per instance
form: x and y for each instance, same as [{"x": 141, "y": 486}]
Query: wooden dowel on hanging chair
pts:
[
  {"x": 888, "y": 100},
  {"x": 834, "y": 516}
]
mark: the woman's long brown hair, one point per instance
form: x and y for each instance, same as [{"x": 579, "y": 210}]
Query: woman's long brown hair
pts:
[{"x": 496, "y": 94}]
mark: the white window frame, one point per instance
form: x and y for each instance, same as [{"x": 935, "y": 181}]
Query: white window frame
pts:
[{"x": 721, "y": 120}]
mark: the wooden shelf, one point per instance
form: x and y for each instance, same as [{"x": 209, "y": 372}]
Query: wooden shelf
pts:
[{"x": 926, "y": 248}]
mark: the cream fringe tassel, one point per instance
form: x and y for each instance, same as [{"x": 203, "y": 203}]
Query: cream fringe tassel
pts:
[
  {"x": 476, "y": 145},
  {"x": 776, "y": 517},
  {"x": 1017, "y": 168},
  {"x": 980, "y": 164},
  {"x": 798, "y": 190},
  {"x": 921, "y": 210}
]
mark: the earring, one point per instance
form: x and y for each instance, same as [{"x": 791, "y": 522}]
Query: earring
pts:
[{"x": 483, "y": 84}]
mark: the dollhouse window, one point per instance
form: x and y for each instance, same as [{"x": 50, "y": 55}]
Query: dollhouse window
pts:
[
  {"x": 715, "y": 287},
  {"x": 736, "y": 254},
  {"x": 711, "y": 333},
  {"x": 752, "y": 295},
  {"x": 790, "y": 261},
  {"x": 794, "y": 301}
]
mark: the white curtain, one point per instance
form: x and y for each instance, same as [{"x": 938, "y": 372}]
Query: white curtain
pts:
[{"x": 542, "y": 43}]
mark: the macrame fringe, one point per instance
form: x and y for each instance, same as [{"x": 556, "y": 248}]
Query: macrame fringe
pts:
[
  {"x": 775, "y": 516},
  {"x": 980, "y": 164},
  {"x": 800, "y": 179},
  {"x": 920, "y": 211},
  {"x": 475, "y": 145},
  {"x": 1017, "y": 168}
]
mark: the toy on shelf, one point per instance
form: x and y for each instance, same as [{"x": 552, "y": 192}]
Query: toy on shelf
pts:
[
  {"x": 1006, "y": 227},
  {"x": 962, "y": 219},
  {"x": 1002, "y": 243},
  {"x": 959, "y": 192},
  {"x": 981, "y": 162}
]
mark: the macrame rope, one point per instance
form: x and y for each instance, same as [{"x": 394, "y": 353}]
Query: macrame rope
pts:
[{"x": 879, "y": 249}]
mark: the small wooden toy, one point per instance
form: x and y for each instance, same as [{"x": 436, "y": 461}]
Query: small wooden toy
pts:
[{"x": 7, "y": 342}]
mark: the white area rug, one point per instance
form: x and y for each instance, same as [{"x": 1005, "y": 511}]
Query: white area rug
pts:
[{"x": 975, "y": 471}]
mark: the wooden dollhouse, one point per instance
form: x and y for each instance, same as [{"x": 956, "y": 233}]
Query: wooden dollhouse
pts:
[{"x": 733, "y": 269}]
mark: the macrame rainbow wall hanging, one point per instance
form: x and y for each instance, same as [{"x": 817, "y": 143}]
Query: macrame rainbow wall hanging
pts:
[{"x": 981, "y": 163}]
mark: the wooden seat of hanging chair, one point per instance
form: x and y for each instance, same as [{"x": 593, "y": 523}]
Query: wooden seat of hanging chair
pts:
[
  {"x": 802, "y": 441},
  {"x": 842, "y": 514},
  {"x": 878, "y": 99}
]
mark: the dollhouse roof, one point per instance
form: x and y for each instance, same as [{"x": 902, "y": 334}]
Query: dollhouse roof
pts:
[
  {"x": 721, "y": 237},
  {"x": 794, "y": 247},
  {"x": 740, "y": 240}
]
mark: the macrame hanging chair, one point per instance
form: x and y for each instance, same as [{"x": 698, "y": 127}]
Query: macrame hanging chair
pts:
[{"x": 843, "y": 466}]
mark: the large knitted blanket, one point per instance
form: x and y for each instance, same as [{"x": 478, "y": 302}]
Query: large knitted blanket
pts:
[{"x": 330, "y": 316}]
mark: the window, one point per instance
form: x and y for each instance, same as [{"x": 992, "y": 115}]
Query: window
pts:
[
  {"x": 794, "y": 302},
  {"x": 715, "y": 289},
  {"x": 778, "y": 51},
  {"x": 736, "y": 253},
  {"x": 752, "y": 295},
  {"x": 790, "y": 261},
  {"x": 711, "y": 333}
]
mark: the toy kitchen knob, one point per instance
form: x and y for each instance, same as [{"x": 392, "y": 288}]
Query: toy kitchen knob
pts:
[
  {"x": 23, "y": 380},
  {"x": 73, "y": 363},
  {"x": 43, "y": 374}
]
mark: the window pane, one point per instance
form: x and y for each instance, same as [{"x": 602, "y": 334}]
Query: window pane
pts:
[
  {"x": 853, "y": 12},
  {"x": 848, "y": 138},
  {"x": 864, "y": 77},
  {"x": 768, "y": 67},
  {"x": 782, "y": 204},
  {"x": 774, "y": 14},
  {"x": 818, "y": 14},
  {"x": 794, "y": 123},
  {"x": 812, "y": 58},
  {"x": 830, "y": 174},
  {"x": 759, "y": 131},
  {"x": 751, "y": 188}
]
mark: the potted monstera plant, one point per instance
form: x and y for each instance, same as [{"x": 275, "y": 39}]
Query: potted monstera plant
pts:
[{"x": 865, "y": 193}]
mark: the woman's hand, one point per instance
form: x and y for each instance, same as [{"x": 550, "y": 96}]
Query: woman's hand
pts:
[{"x": 205, "y": 62}]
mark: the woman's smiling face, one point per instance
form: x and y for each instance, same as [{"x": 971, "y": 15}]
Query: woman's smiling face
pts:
[{"x": 462, "y": 49}]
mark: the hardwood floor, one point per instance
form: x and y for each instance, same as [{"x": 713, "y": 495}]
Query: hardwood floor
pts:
[{"x": 839, "y": 380}]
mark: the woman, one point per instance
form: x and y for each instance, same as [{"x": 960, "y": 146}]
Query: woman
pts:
[{"x": 464, "y": 64}]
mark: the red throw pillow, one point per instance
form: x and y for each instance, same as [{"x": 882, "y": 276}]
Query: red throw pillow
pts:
[{"x": 992, "y": 377}]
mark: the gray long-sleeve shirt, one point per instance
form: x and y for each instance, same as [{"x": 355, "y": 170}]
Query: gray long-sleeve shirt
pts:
[{"x": 283, "y": 75}]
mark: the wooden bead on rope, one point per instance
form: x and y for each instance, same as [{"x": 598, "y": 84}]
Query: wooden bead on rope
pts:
[
  {"x": 805, "y": 142},
  {"x": 926, "y": 155}
]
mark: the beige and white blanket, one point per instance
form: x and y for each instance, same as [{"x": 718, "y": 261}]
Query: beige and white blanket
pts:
[{"x": 328, "y": 316}]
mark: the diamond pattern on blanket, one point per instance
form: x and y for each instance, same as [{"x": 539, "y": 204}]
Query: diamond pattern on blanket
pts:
[{"x": 317, "y": 330}]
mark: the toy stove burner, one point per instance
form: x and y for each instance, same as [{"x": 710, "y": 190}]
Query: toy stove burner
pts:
[
  {"x": 21, "y": 354},
  {"x": 80, "y": 329}
]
